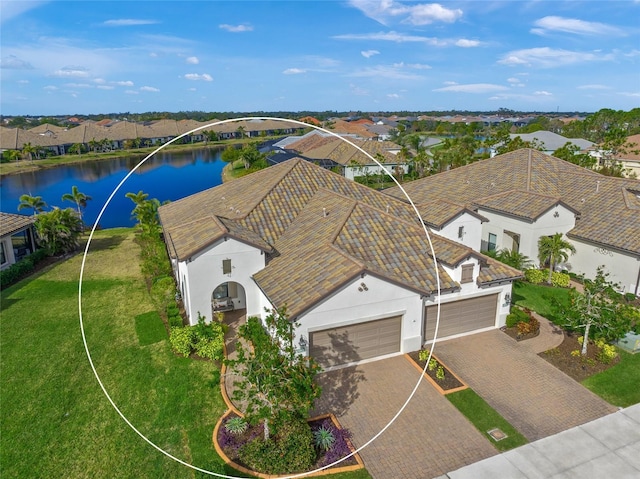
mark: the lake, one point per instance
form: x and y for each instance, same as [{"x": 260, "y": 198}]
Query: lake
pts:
[{"x": 166, "y": 176}]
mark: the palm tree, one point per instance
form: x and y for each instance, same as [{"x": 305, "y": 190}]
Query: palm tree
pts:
[
  {"x": 34, "y": 202},
  {"x": 28, "y": 149},
  {"x": 12, "y": 155},
  {"x": 138, "y": 198},
  {"x": 513, "y": 258},
  {"x": 79, "y": 198},
  {"x": 554, "y": 249}
]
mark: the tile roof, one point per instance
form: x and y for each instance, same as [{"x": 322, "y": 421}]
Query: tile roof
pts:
[
  {"x": 10, "y": 223},
  {"x": 343, "y": 153},
  {"x": 523, "y": 204},
  {"x": 608, "y": 215},
  {"x": 440, "y": 212},
  {"x": 324, "y": 230}
]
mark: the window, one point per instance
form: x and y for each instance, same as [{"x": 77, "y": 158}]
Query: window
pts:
[
  {"x": 226, "y": 266},
  {"x": 467, "y": 273},
  {"x": 491, "y": 244},
  {"x": 222, "y": 291},
  {"x": 460, "y": 232},
  {"x": 3, "y": 256}
]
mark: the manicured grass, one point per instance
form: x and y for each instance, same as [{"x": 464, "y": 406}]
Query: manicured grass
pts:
[
  {"x": 618, "y": 385},
  {"x": 150, "y": 328},
  {"x": 485, "y": 418},
  {"x": 544, "y": 300},
  {"x": 55, "y": 420}
]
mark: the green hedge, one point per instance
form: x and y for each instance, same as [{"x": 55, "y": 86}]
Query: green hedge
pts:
[{"x": 22, "y": 268}]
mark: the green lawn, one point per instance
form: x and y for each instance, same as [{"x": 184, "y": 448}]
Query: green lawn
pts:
[
  {"x": 55, "y": 420},
  {"x": 618, "y": 385},
  {"x": 485, "y": 418},
  {"x": 542, "y": 299}
]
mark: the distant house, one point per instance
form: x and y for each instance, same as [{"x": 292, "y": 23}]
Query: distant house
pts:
[
  {"x": 549, "y": 141},
  {"x": 351, "y": 265},
  {"x": 629, "y": 159},
  {"x": 526, "y": 194},
  {"x": 17, "y": 238}
]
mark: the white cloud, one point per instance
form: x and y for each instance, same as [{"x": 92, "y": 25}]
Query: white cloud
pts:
[
  {"x": 77, "y": 85},
  {"x": 123, "y": 83},
  {"x": 543, "y": 93},
  {"x": 13, "y": 9},
  {"x": 294, "y": 71},
  {"x": 198, "y": 76},
  {"x": 369, "y": 53},
  {"x": 192, "y": 60},
  {"x": 50, "y": 88},
  {"x": 464, "y": 43},
  {"x": 473, "y": 88},
  {"x": 389, "y": 37},
  {"x": 545, "y": 57},
  {"x": 419, "y": 66},
  {"x": 12, "y": 62},
  {"x": 594, "y": 87},
  {"x": 99, "y": 81},
  {"x": 149, "y": 88},
  {"x": 23, "y": 82},
  {"x": 387, "y": 11},
  {"x": 236, "y": 28},
  {"x": 131, "y": 92},
  {"x": 128, "y": 22},
  {"x": 105, "y": 87},
  {"x": 393, "y": 95},
  {"x": 358, "y": 90},
  {"x": 71, "y": 72},
  {"x": 394, "y": 72},
  {"x": 191, "y": 89},
  {"x": 575, "y": 26}
]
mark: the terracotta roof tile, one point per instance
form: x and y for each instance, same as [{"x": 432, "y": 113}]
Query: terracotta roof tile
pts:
[{"x": 10, "y": 223}]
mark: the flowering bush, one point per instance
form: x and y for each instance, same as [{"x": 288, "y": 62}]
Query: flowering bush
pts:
[
  {"x": 560, "y": 280},
  {"x": 534, "y": 276}
]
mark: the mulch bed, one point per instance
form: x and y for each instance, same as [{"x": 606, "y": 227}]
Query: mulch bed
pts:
[
  {"x": 579, "y": 368},
  {"x": 231, "y": 443},
  {"x": 513, "y": 332},
  {"x": 449, "y": 381}
]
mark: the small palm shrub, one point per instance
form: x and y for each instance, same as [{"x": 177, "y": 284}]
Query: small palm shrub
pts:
[
  {"x": 323, "y": 438},
  {"x": 236, "y": 425}
]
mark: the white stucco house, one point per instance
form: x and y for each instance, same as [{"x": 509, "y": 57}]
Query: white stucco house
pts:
[
  {"x": 17, "y": 238},
  {"x": 526, "y": 194},
  {"x": 352, "y": 265}
]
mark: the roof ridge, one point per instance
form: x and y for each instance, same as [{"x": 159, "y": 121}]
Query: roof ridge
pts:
[{"x": 290, "y": 167}]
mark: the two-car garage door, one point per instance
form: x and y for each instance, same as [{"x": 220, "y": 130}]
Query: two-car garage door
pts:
[
  {"x": 349, "y": 344},
  {"x": 461, "y": 317}
]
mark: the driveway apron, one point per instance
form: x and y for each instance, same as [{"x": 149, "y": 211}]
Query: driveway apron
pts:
[
  {"x": 535, "y": 397},
  {"x": 429, "y": 438}
]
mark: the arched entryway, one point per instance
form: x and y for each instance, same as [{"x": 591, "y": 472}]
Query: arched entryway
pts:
[{"x": 229, "y": 296}]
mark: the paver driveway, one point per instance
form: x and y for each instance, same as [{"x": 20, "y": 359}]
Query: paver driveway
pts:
[
  {"x": 535, "y": 397},
  {"x": 428, "y": 439}
]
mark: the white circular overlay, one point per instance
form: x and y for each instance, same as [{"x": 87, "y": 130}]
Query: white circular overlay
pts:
[{"x": 115, "y": 191}]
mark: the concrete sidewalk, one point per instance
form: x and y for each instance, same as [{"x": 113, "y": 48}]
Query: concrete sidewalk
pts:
[{"x": 606, "y": 447}]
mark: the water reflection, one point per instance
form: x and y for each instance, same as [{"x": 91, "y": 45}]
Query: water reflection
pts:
[{"x": 166, "y": 176}]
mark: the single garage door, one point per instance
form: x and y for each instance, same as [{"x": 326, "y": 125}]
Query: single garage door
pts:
[
  {"x": 461, "y": 316},
  {"x": 333, "y": 347}
]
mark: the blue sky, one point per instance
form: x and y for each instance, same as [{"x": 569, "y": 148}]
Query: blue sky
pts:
[{"x": 66, "y": 57}]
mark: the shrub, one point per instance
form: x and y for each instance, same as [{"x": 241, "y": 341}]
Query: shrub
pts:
[
  {"x": 289, "y": 451},
  {"x": 534, "y": 276},
  {"x": 560, "y": 280},
  {"x": 433, "y": 363},
  {"x": 173, "y": 315},
  {"x": 236, "y": 425},
  {"x": 340, "y": 446},
  {"x": 323, "y": 438},
  {"x": 181, "y": 340},
  {"x": 423, "y": 355},
  {"x": 607, "y": 354},
  {"x": 440, "y": 373},
  {"x": 210, "y": 348},
  {"x": 516, "y": 316},
  {"x": 576, "y": 353},
  {"x": 23, "y": 267}
]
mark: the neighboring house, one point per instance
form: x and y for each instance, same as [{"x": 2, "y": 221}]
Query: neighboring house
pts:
[
  {"x": 350, "y": 160},
  {"x": 629, "y": 159},
  {"x": 526, "y": 194},
  {"x": 549, "y": 141},
  {"x": 17, "y": 238},
  {"x": 352, "y": 265}
]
